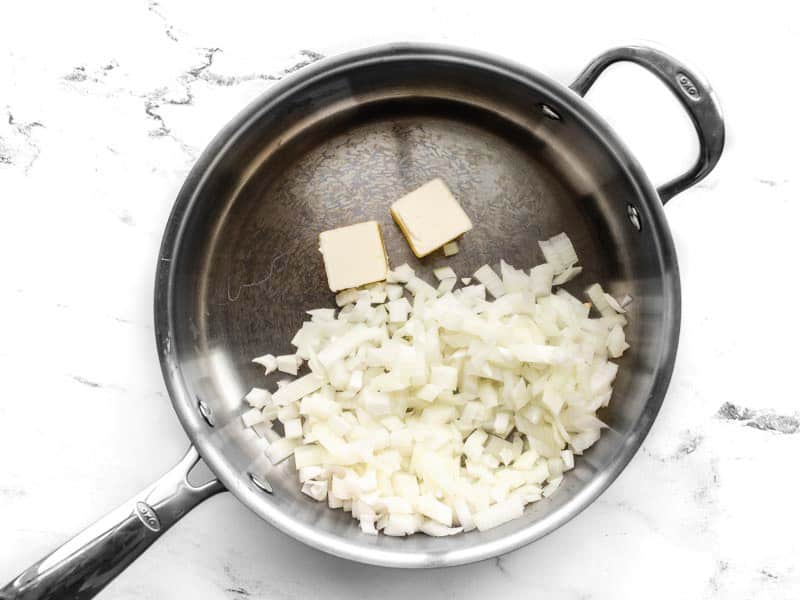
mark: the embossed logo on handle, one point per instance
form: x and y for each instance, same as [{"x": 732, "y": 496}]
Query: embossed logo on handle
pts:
[
  {"x": 147, "y": 516},
  {"x": 688, "y": 86}
]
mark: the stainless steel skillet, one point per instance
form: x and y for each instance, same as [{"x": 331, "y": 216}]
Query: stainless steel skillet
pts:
[{"x": 333, "y": 145}]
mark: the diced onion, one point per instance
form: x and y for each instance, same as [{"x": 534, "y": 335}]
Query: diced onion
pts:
[
  {"x": 251, "y": 417},
  {"x": 268, "y": 361},
  {"x": 449, "y": 412},
  {"x": 499, "y": 513},
  {"x": 446, "y": 285},
  {"x": 288, "y": 363},
  {"x": 559, "y": 252},
  {"x": 258, "y": 398},
  {"x": 444, "y": 273},
  {"x": 394, "y": 291},
  {"x": 490, "y": 279},
  {"x": 400, "y": 274},
  {"x": 450, "y": 248},
  {"x": 567, "y": 275}
]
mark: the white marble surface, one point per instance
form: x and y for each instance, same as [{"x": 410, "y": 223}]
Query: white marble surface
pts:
[{"x": 105, "y": 105}]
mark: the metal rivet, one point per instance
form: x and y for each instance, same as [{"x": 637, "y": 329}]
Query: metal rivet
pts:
[
  {"x": 633, "y": 216},
  {"x": 549, "y": 112},
  {"x": 205, "y": 412},
  {"x": 261, "y": 484}
]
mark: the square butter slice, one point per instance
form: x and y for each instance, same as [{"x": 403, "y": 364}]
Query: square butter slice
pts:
[
  {"x": 430, "y": 217},
  {"x": 353, "y": 255}
]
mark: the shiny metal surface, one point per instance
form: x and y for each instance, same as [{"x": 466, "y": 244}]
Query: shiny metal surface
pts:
[
  {"x": 335, "y": 144},
  {"x": 86, "y": 563}
]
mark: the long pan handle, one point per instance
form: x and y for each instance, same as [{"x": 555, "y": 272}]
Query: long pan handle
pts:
[
  {"x": 691, "y": 90},
  {"x": 88, "y": 562}
]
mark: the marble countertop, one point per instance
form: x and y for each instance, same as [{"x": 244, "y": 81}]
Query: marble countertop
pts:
[{"x": 105, "y": 106}]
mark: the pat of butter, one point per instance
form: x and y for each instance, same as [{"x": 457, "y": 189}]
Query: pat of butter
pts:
[
  {"x": 430, "y": 217},
  {"x": 353, "y": 255}
]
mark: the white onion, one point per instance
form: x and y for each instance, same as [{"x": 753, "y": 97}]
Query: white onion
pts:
[
  {"x": 444, "y": 273},
  {"x": 499, "y": 513},
  {"x": 251, "y": 417},
  {"x": 400, "y": 274},
  {"x": 450, "y": 248},
  {"x": 445, "y": 286},
  {"x": 567, "y": 275},
  {"x": 258, "y": 398},
  {"x": 494, "y": 285},
  {"x": 268, "y": 361},
  {"x": 612, "y": 302},
  {"x": 346, "y": 297},
  {"x": 559, "y": 252},
  {"x": 297, "y": 389},
  {"x": 436, "y": 529},
  {"x": 288, "y": 363},
  {"x": 449, "y": 412},
  {"x": 322, "y": 314},
  {"x": 394, "y": 291}
]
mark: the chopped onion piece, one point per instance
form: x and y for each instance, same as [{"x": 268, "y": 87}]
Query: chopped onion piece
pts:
[
  {"x": 463, "y": 514},
  {"x": 394, "y": 291},
  {"x": 400, "y": 274},
  {"x": 268, "y": 361},
  {"x": 258, "y": 398},
  {"x": 542, "y": 279},
  {"x": 445, "y": 377},
  {"x": 309, "y": 456},
  {"x": 288, "y": 412},
  {"x": 288, "y": 363},
  {"x": 538, "y": 353},
  {"x": 252, "y": 416},
  {"x": 612, "y": 302},
  {"x": 444, "y": 273},
  {"x": 450, "y": 248},
  {"x": 280, "y": 450},
  {"x": 297, "y": 389},
  {"x": 419, "y": 286},
  {"x": 293, "y": 428},
  {"x": 346, "y": 344},
  {"x": 499, "y": 513},
  {"x": 348, "y": 296},
  {"x": 451, "y": 411},
  {"x": 599, "y": 300},
  {"x": 616, "y": 342},
  {"x": 436, "y": 529},
  {"x": 398, "y": 310},
  {"x": 445, "y": 286},
  {"x": 491, "y": 280},
  {"x": 322, "y": 314},
  {"x": 559, "y": 252},
  {"x": 368, "y": 525},
  {"x": 567, "y": 275},
  {"x": 514, "y": 280},
  {"x": 318, "y": 490},
  {"x": 436, "y": 510},
  {"x": 429, "y": 392},
  {"x": 473, "y": 447}
]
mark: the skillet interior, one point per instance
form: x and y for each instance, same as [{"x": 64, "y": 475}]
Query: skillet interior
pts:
[{"x": 335, "y": 146}]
